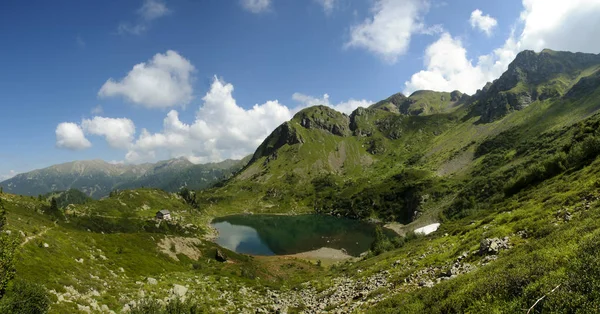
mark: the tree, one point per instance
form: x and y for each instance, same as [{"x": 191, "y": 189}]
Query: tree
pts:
[
  {"x": 189, "y": 197},
  {"x": 7, "y": 250},
  {"x": 25, "y": 298}
]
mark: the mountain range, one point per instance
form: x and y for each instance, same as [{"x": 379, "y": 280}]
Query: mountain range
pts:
[
  {"x": 98, "y": 178},
  {"x": 403, "y": 155},
  {"x": 509, "y": 179}
]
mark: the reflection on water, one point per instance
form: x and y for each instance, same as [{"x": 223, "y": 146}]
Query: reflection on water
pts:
[
  {"x": 241, "y": 239},
  {"x": 283, "y": 235}
]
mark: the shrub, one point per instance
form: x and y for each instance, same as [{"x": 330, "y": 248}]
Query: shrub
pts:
[{"x": 25, "y": 298}]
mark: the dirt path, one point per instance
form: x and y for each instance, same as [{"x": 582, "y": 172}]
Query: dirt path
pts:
[{"x": 41, "y": 233}]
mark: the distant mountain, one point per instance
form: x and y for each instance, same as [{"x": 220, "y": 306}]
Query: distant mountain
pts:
[{"x": 96, "y": 178}]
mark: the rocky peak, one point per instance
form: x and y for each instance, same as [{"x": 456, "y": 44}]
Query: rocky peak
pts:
[
  {"x": 324, "y": 118},
  {"x": 282, "y": 135},
  {"x": 529, "y": 78}
]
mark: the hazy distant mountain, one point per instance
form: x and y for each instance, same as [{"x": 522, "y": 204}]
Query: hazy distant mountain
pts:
[{"x": 97, "y": 178}]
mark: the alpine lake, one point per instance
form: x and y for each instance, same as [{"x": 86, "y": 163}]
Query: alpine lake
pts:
[{"x": 288, "y": 235}]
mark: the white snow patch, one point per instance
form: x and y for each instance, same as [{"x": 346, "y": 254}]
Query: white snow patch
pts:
[{"x": 428, "y": 229}]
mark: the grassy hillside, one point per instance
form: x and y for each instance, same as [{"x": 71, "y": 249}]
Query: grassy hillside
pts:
[
  {"x": 109, "y": 254},
  {"x": 511, "y": 173}
]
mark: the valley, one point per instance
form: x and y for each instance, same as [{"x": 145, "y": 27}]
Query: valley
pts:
[{"x": 330, "y": 212}]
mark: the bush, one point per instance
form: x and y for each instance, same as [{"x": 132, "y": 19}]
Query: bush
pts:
[{"x": 25, "y": 298}]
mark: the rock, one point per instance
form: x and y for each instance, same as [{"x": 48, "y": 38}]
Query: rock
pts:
[
  {"x": 179, "y": 290},
  {"x": 46, "y": 244},
  {"x": 79, "y": 260},
  {"x": 152, "y": 281},
  {"x": 491, "y": 246},
  {"x": 219, "y": 256}
]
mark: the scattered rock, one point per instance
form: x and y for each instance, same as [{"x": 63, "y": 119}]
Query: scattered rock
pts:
[
  {"x": 152, "y": 281},
  {"x": 219, "y": 256},
  {"x": 491, "y": 246},
  {"x": 179, "y": 291}
]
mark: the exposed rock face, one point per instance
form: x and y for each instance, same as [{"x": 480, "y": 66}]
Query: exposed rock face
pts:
[
  {"x": 491, "y": 246},
  {"x": 529, "y": 78},
  {"x": 285, "y": 134},
  {"x": 455, "y": 95},
  {"x": 584, "y": 85},
  {"x": 324, "y": 118},
  {"x": 220, "y": 257}
]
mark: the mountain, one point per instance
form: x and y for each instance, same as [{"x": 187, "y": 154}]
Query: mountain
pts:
[
  {"x": 534, "y": 77},
  {"x": 97, "y": 178},
  {"x": 512, "y": 186},
  {"x": 406, "y": 155}
]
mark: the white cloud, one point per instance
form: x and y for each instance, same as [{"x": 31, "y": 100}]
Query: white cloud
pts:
[
  {"x": 8, "y": 175},
  {"x": 543, "y": 24},
  {"x": 70, "y": 136},
  {"x": 484, "y": 23},
  {"x": 221, "y": 130},
  {"x": 346, "y": 107},
  {"x": 97, "y": 110},
  {"x": 328, "y": 5},
  {"x": 388, "y": 32},
  {"x": 448, "y": 69},
  {"x": 119, "y": 132},
  {"x": 149, "y": 11},
  {"x": 256, "y": 6},
  {"x": 165, "y": 81},
  {"x": 153, "y": 9},
  {"x": 561, "y": 25}
]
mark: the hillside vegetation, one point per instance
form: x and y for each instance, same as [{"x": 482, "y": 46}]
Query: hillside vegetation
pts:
[{"x": 511, "y": 173}]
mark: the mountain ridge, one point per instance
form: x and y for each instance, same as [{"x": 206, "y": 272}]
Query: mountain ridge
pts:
[{"x": 97, "y": 178}]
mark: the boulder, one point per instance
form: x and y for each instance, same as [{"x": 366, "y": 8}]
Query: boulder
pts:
[
  {"x": 220, "y": 257},
  {"x": 491, "y": 246}
]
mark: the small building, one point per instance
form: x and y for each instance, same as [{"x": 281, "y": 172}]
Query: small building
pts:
[{"x": 163, "y": 214}]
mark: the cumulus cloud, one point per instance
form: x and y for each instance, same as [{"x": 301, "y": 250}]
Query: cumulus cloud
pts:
[
  {"x": 256, "y": 6},
  {"x": 561, "y": 25},
  {"x": 70, "y": 136},
  {"x": 388, "y": 32},
  {"x": 328, "y": 5},
  {"x": 484, "y": 23},
  {"x": 164, "y": 81},
  {"x": 346, "y": 107},
  {"x": 119, "y": 132},
  {"x": 222, "y": 129},
  {"x": 149, "y": 11},
  {"x": 542, "y": 24}
]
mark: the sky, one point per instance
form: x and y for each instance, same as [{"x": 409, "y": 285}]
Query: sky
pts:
[{"x": 145, "y": 80}]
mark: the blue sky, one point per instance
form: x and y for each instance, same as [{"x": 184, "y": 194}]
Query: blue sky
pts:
[{"x": 215, "y": 77}]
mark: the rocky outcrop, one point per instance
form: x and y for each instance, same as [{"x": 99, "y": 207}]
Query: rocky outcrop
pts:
[
  {"x": 285, "y": 134},
  {"x": 529, "y": 78},
  {"x": 492, "y": 246},
  {"x": 220, "y": 256},
  {"x": 584, "y": 85},
  {"x": 324, "y": 118}
]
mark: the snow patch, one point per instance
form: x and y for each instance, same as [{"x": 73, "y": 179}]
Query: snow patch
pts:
[{"x": 428, "y": 229}]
